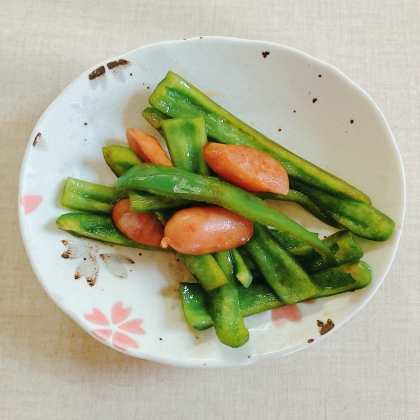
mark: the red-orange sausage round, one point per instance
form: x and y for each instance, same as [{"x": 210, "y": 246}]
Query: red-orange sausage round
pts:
[
  {"x": 139, "y": 227},
  {"x": 246, "y": 167},
  {"x": 206, "y": 229},
  {"x": 147, "y": 147}
]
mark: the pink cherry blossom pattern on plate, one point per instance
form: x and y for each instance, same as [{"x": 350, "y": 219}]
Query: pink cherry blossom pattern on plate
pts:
[
  {"x": 118, "y": 327},
  {"x": 289, "y": 312},
  {"x": 30, "y": 202}
]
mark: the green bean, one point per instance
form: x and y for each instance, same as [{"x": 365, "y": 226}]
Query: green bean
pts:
[
  {"x": 362, "y": 219},
  {"x": 145, "y": 202},
  {"x": 224, "y": 306},
  {"x": 289, "y": 281},
  {"x": 98, "y": 227},
  {"x": 185, "y": 138},
  {"x": 242, "y": 271},
  {"x": 120, "y": 158},
  {"x": 341, "y": 243},
  {"x": 90, "y": 197}
]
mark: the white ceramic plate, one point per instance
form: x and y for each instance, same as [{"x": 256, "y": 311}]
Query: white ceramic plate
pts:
[{"x": 308, "y": 106}]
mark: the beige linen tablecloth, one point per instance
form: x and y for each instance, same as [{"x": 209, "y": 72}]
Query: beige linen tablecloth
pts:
[{"x": 51, "y": 369}]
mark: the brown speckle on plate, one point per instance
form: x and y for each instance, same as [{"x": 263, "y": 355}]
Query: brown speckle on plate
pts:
[
  {"x": 96, "y": 73},
  {"x": 351, "y": 121},
  {"x": 324, "y": 328},
  {"x": 36, "y": 139},
  {"x": 310, "y": 340},
  {"x": 314, "y": 100},
  {"x": 265, "y": 53},
  {"x": 319, "y": 75},
  {"x": 91, "y": 281},
  {"x": 112, "y": 64},
  {"x": 279, "y": 129},
  {"x": 122, "y": 258},
  {"x": 120, "y": 62}
]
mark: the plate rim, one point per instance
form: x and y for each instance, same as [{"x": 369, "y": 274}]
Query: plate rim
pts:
[{"x": 265, "y": 356}]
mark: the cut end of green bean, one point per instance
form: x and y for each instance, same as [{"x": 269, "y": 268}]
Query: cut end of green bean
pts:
[
  {"x": 88, "y": 196},
  {"x": 154, "y": 117},
  {"x": 206, "y": 270},
  {"x": 120, "y": 158},
  {"x": 242, "y": 271},
  {"x": 195, "y": 306}
]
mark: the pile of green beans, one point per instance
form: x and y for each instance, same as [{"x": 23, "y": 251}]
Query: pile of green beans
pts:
[{"x": 281, "y": 264}]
